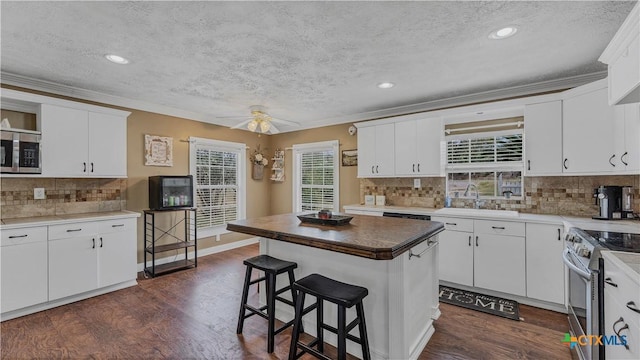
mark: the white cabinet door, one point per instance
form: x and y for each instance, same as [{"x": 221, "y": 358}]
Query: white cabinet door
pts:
[
  {"x": 499, "y": 263},
  {"x": 456, "y": 257},
  {"x": 587, "y": 133},
  {"x": 543, "y": 138},
  {"x": 385, "y": 147},
  {"x": 627, "y": 138},
  {"x": 117, "y": 251},
  {"x": 107, "y": 145},
  {"x": 624, "y": 74},
  {"x": 545, "y": 269},
  {"x": 23, "y": 268},
  {"x": 64, "y": 141},
  {"x": 72, "y": 266},
  {"x": 429, "y": 138},
  {"x": 406, "y": 148},
  {"x": 366, "y": 151}
]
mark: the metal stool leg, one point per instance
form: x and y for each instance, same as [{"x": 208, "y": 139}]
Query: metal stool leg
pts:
[
  {"x": 295, "y": 334},
  {"x": 243, "y": 302},
  {"x": 364, "y": 339}
]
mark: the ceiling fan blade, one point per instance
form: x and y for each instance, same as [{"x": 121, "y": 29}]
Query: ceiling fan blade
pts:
[
  {"x": 285, "y": 122},
  {"x": 237, "y": 117},
  {"x": 273, "y": 130},
  {"x": 241, "y": 125}
]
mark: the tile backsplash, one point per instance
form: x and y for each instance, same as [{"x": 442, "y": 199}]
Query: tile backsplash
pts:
[
  {"x": 554, "y": 195},
  {"x": 63, "y": 196}
]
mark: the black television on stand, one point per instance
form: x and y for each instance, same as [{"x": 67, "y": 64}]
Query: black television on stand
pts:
[{"x": 168, "y": 192}]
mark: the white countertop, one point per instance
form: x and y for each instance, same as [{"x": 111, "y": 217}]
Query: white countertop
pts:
[
  {"x": 8, "y": 224},
  {"x": 626, "y": 226},
  {"x": 628, "y": 262}
]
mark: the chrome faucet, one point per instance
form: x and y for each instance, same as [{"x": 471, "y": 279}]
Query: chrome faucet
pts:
[{"x": 476, "y": 203}]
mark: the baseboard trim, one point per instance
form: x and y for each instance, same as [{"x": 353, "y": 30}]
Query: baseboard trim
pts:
[{"x": 206, "y": 251}]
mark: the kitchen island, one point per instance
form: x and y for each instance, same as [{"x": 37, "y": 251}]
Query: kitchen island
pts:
[{"x": 396, "y": 259}]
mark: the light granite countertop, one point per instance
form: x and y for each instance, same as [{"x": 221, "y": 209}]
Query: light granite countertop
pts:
[
  {"x": 628, "y": 262},
  {"x": 18, "y": 223}
]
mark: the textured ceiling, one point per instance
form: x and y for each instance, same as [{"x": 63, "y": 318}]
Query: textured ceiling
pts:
[{"x": 311, "y": 62}]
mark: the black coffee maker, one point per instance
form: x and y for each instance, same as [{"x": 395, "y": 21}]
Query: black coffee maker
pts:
[{"x": 609, "y": 200}]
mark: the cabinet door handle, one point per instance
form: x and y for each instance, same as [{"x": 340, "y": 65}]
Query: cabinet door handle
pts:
[
  {"x": 74, "y": 230},
  {"x": 564, "y": 163},
  {"x": 498, "y": 227},
  {"x": 372, "y": 167},
  {"x": 632, "y": 306},
  {"x": 84, "y": 169},
  {"x": 476, "y": 241},
  {"x": 17, "y": 236},
  {"x": 559, "y": 234},
  {"x": 117, "y": 225},
  {"x": 611, "y": 158},
  {"x": 91, "y": 167},
  {"x": 93, "y": 243},
  {"x": 528, "y": 164},
  {"x": 469, "y": 240},
  {"x": 376, "y": 169},
  {"x": 414, "y": 167},
  {"x": 418, "y": 167},
  {"x": 101, "y": 242},
  {"x": 622, "y": 158},
  {"x": 608, "y": 281},
  {"x": 625, "y": 327}
]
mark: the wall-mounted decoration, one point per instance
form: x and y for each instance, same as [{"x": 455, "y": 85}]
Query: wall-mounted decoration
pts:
[
  {"x": 259, "y": 161},
  {"x": 158, "y": 150},
  {"x": 349, "y": 157},
  {"x": 277, "y": 169}
]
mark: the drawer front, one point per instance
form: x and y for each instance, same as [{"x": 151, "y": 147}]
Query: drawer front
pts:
[
  {"x": 499, "y": 227},
  {"x": 455, "y": 224},
  {"x": 614, "y": 311},
  {"x": 72, "y": 230},
  {"x": 111, "y": 226},
  {"x": 620, "y": 287},
  {"x": 23, "y": 236}
]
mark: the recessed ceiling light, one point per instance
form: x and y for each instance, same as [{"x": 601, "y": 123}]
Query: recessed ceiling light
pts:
[
  {"x": 503, "y": 33},
  {"x": 386, "y": 85},
  {"x": 116, "y": 59}
]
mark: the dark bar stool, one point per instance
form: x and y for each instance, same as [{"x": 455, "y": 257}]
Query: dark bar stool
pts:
[
  {"x": 341, "y": 294},
  {"x": 272, "y": 267}
]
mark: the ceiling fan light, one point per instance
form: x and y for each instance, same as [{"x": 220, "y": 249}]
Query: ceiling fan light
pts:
[
  {"x": 265, "y": 126},
  {"x": 252, "y": 125}
]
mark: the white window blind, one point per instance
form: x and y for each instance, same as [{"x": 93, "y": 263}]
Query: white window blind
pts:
[
  {"x": 218, "y": 169},
  {"x": 316, "y": 177},
  {"x": 485, "y": 150}
]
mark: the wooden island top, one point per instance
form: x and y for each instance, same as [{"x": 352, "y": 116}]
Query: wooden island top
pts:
[{"x": 379, "y": 238}]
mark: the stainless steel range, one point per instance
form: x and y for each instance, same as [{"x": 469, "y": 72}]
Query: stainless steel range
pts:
[{"x": 585, "y": 287}]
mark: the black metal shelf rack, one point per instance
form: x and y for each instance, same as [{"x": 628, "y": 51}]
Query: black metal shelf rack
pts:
[{"x": 185, "y": 241}]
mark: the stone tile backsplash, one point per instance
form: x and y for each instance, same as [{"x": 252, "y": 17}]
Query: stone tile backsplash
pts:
[
  {"x": 554, "y": 195},
  {"x": 63, "y": 196}
]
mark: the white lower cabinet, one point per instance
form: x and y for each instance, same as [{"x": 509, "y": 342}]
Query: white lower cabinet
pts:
[
  {"x": 456, "y": 251},
  {"x": 23, "y": 264},
  {"x": 117, "y": 251},
  {"x": 72, "y": 266},
  {"x": 545, "y": 268}
]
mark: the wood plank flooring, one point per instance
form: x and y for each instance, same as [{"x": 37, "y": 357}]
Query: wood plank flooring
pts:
[{"x": 192, "y": 314}]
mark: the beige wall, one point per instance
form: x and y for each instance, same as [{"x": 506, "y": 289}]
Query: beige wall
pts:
[{"x": 281, "y": 193}]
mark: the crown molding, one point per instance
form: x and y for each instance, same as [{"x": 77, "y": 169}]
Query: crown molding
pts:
[{"x": 486, "y": 96}]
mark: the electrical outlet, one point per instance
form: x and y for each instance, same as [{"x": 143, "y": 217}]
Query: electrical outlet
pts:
[
  {"x": 38, "y": 194},
  {"x": 416, "y": 183}
]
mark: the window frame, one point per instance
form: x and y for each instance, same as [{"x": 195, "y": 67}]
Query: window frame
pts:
[
  {"x": 241, "y": 191},
  {"x": 298, "y": 150}
]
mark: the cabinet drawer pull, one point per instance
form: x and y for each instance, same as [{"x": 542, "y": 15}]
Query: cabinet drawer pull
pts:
[
  {"x": 101, "y": 242},
  {"x": 453, "y": 224},
  {"x": 498, "y": 227},
  {"x": 93, "y": 243},
  {"x": 608, "y": 281},
  {"x": 632, "y": 306},
  {"x": 17, "y": 236},
  {"x": 476, "y": 241},
  {"x": 74, "y": 230},
  {"x": 559, "y": 233},
  {"x": 91, "y": 167},
  {"x": 469, "y": 240},
  {"x": 622, "y": 158},
  {"x": 625, "y": 327},
  {"x": 611, "y": 158},
  {"x": 414, "y": 167},
  {"x": 117, "y": 225}
]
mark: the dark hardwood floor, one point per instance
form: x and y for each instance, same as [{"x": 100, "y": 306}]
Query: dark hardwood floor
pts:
[{"x": 192, "y": 314}]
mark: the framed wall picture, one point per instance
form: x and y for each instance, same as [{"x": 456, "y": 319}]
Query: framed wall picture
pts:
[
  {"x": 158, "y": 150},
  {"x": 350, "y": 157}
]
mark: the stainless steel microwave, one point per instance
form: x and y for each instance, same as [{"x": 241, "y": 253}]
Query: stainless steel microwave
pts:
[{"x": 21, "y": 152}]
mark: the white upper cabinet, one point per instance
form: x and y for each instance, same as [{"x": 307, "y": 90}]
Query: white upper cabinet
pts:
[
  {"x": 81, "y": 143},
  {"x": 376, "y": 151},
  {"x": 626, "y": 128},
  {"x": 543, "y": 138},
  {"x": 587, "y": 130},
  {"x": 623, "y": 59},
  {"x": 417, "y": 147}
]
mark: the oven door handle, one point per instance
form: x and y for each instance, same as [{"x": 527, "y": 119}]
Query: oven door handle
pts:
[{"x": 572, "y": 267}]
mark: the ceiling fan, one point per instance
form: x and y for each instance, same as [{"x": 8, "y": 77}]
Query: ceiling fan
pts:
[{"x": 261, "y": 122}]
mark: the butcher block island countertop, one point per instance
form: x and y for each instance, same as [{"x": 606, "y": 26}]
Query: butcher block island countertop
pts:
[
  {"x": 379, "y": 238},
  {"x": 395, "y": 259}
]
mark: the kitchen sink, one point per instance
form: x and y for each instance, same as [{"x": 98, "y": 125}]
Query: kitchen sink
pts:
[{"x": 477, "y": 212}]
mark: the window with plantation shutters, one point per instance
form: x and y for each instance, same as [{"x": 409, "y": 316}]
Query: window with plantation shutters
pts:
[
  {"x": 489, "y": 159},
  {"x": 218, "y": 171},
  {"x": 316, "y": 176}
]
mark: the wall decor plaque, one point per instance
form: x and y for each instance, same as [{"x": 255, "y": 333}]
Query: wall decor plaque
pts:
[{"x": 158, "y": 150}]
